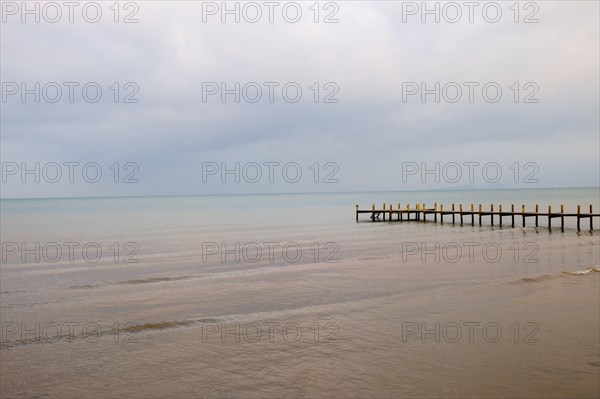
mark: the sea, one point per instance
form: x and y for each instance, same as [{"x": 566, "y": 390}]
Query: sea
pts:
[{"x": 287, "y": 295}]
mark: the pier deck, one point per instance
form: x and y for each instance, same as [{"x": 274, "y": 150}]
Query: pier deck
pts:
[{"x": 420, "y": 212}]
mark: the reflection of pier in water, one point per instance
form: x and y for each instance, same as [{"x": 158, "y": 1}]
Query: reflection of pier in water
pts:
[{"x": 420, "y": 212}]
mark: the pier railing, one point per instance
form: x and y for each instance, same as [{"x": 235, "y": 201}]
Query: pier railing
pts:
[{"x": 420, "y": 212}]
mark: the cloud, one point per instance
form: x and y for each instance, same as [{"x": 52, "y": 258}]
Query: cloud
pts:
[{"x": 364, "y": 62}]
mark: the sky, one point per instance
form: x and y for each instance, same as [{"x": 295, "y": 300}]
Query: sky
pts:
[{"x": 297, "y": 97}]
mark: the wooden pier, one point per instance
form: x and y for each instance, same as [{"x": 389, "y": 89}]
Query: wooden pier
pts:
[{"x": 420, "y": 212}]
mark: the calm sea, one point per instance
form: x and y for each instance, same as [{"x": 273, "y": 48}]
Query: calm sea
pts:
[{"x": 287, "y": 296}]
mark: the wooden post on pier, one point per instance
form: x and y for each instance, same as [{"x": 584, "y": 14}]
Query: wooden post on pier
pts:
[
  {"x": 492, "y": 213},
  {"x": 435, "y": 212},
  {"x": 562, "y": 218},
  {"x": 408, "y": 212},
  {"x": 399, "y": 212},
  {"x": 523, "y": 214},
  {"x": 472, "y": 216},
  {"x": 578, "y": 218},
  {"x": 391, "y": 212},
  {"x": 424, "y": 216},
  {"x": 549, "y": 217},
  {"x": 383, "y": 211},
  {"x": 500, "y": 211},
  {"x": 512, "y": 216},
  {"x": 418, "y": 213},
  {"x": 480, "y": 214},
  {"x": 591, "y": 217},
  {"x": 461, "y": 215},
  {"x": 373, "y": 212},
  {"x": 537, "y": 209},
  {"x": 452, "y": 213},
  {"x": 441, "y": 213},
  {"x": 357, "y": 213}
]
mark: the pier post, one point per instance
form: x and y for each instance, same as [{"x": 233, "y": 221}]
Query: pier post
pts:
[
  {"x": 408, "y": 212},
  {"x": 424, "y": 216},
  {"x": 549, "y": 217},
  {"x": 523, "y": 214},
  {"x": 461, "y": 215},
  {"x": 562, "y": 217},
  {"x": 383, "y": 211},
  {"x": 357, "y": 213},
  {"x": 373, "y": 212},
  {"x": 512, "y": 215},
  {"x": 480, "y": 214},
  {"x": 591, "y": 218},
  {"x": 442, "y": 213},
  {"x": 500, "y": 211},
  {"x": 537, "y": 208},
  {"x": 472, "y": 216},
  {"x": 399, "y": 213},
  {"x": 452, "y": 213},
  {"x": 435, "y": 212},
  {"x": 578, "y": 218},
  {"x": 492, "y": 213}
]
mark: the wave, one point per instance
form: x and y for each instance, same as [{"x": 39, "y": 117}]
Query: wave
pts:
[
  {"x": 153, "y": 280},
  {"x": 538, "y": 279},
  {"x": 131, "y": 328},
  {"x": 164, "y": 325},
  {"x": 148, "y": 280},
  {"x": 583, "y": 272},
  {"x": 206, "y": 275},
  {"x": 546, "y": 277}
]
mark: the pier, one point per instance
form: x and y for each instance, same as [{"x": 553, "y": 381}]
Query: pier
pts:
[{"x": 458, "y": 214}]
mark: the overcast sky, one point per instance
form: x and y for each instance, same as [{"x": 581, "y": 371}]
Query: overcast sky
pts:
[{"x": 368, "y": 130}]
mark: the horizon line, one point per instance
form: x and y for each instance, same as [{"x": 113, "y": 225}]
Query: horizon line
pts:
[{"x": 296, "y": 193}]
